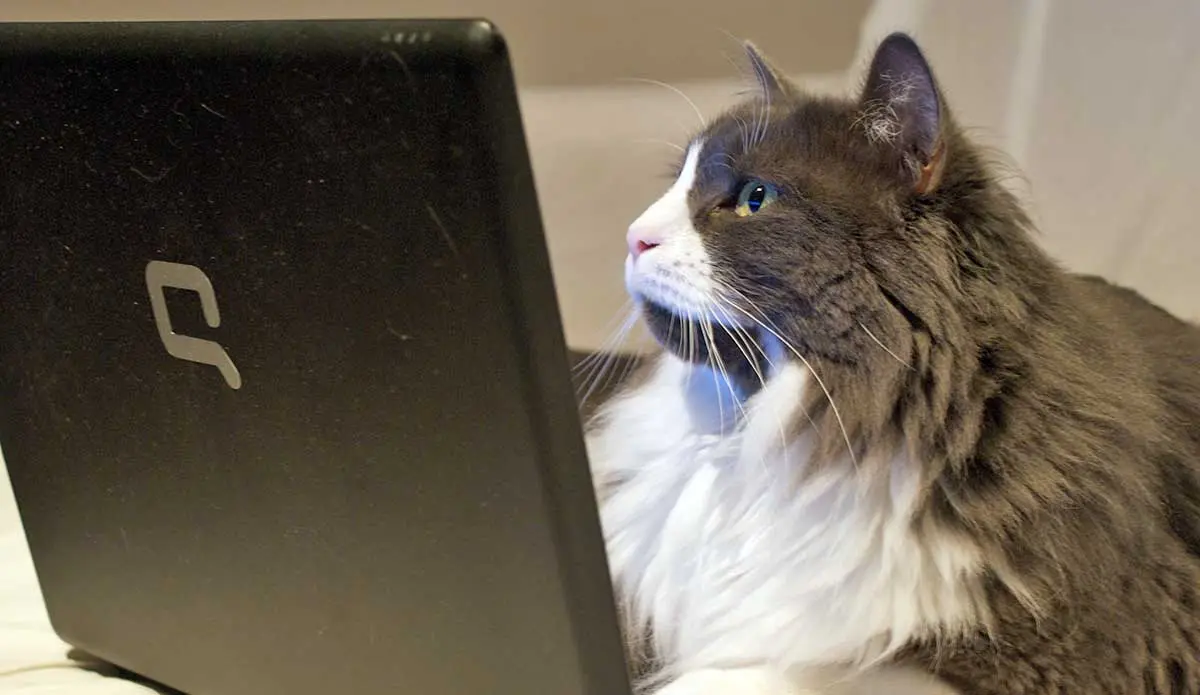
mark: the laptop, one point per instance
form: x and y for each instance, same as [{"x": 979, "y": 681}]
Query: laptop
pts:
[{"x": 284, "y": 392}]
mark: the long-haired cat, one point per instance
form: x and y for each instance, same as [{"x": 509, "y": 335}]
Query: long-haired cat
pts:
[{"x": 888, "y": 437}]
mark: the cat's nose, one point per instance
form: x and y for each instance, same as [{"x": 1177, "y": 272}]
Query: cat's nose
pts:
[{"x": 641, "y": 240}]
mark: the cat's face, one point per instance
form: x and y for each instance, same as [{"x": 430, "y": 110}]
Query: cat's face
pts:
[{"x": 781, "y": 210}]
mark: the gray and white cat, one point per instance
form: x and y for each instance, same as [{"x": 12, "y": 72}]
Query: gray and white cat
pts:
[{"x": 890, "y": 446}]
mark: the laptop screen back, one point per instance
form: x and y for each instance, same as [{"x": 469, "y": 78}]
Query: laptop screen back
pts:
[{"x": 282, "y": 384}]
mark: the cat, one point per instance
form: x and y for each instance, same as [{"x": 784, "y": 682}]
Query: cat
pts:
[{"x": 888, "y": 441}]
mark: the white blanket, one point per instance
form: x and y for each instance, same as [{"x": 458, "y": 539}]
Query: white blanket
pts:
[{"x": 32, "y": 659}]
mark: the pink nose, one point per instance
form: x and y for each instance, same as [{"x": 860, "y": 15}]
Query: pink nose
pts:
[{"x": 640, "y": 242}]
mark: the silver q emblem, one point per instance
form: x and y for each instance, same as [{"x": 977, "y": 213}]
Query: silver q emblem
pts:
[{"x": 160, "y": 274}]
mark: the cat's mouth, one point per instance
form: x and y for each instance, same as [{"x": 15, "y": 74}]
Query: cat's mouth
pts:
[{"x": 725, "y": 346}]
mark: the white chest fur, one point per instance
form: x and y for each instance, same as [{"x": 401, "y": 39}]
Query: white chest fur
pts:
[{"x": 719, "y": 546}]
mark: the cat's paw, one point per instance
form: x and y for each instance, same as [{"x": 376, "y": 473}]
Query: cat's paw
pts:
[{"x": 742, "y": 681}]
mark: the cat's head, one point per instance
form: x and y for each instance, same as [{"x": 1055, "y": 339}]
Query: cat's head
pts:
[{"x": 831, "y": 227}]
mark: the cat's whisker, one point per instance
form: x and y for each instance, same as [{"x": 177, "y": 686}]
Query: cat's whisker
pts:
[
  {"x": 612, "y": 329},
  {"x": 885, "y": 348},
  {"x": 766, "y": 111},
  {"x": 730, "y": 164},
  {"x": 754, "y": 112},
  {"x": 736, "y": 334},
  {"x": 691, "y": 348},
  {"x": 671, "y": 328},
  {"x": 594, "y": 381},
  {"x": 630, "y": 365},
  {"x": 816, "y": 377},
  {"x": 711, "y": 360},
  {"x": 599, "y": 374},
  {"x": 673, "y": 88},
  {"x": 723, "y": 304},
  {"x": 593, "y": 367},
  {"x": 754, "y": 130},
  {"x": 760, "y": 110},
  {"x": 713, "y": 160},
  {"x": 743, "y": 132},
  {"x": 711, "y": 320},
  {"x": 734, "y": 330},
  {"x": 760, "y": 125},
  {"x": 601, "y": 380},
  {"x": 626, "y": 316},
  {"x": 766, "y": 120},
  {"x": 735, "y": 327},
  {"x": 660, "y": 141},
  {"x": 691, "y": 341}
]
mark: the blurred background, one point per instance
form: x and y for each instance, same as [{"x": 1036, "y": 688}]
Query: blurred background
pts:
[{"x": 1094, "y": 101}]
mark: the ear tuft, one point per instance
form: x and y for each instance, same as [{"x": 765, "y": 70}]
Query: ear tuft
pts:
[
  {"x": 901, "y": 106},
  {"x": 770, "y": 79}
]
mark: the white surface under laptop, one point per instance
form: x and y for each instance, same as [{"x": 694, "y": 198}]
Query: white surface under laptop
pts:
[{"x": 32, "y": 658}]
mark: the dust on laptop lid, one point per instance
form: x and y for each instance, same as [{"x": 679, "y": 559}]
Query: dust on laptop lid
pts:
[{"x": 282, "y": 383}]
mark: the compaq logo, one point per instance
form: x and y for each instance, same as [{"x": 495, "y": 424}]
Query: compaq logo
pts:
[{"x": 160, "y": 274}]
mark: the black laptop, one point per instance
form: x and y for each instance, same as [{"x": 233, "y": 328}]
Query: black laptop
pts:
[{"x": 284, "y": 393}]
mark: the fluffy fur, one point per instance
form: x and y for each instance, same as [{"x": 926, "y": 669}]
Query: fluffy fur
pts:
[
  {"x": 886, "y": 432},
  {"x": 702, "y": 521}
]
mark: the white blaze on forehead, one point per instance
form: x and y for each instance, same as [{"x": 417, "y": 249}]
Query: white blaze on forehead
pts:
[
  {"x": 678, "y": 272},
  {"x": 670, "y": 213}
]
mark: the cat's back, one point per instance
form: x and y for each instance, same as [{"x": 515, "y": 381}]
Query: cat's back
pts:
[
  {"x": 1169, "y": 351},
  {"x": 1168, "y": 345}
]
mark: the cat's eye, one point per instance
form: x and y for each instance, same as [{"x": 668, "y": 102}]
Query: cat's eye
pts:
[{"x": 754, "y": 196}]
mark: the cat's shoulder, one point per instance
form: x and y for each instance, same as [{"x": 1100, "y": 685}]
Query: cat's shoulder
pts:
[
  {"x": 1160, "y": 347},
  {"x": 1164, "y": 340},
  {"x": 1132, "y": 305}
]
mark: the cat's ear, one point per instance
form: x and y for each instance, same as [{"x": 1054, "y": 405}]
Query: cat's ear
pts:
[
  {"x": 901, "y": 105},
  {"x": 770, "y": 79}
]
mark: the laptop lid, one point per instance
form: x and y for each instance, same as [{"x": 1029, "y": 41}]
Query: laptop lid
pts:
[{"x": 283, "y": 387}]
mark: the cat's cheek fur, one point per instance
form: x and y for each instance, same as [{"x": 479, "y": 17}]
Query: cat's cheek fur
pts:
[
  {"x": 723, "y": 557},
  {"x": 677, "y": 273}
]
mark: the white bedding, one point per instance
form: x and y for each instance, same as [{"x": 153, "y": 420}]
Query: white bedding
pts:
[{"x": 32, "y": 659}]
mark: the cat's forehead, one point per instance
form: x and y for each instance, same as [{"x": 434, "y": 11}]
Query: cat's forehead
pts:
[
  {"x": 783, "y": 140},
  {"x": 736, "y": 133},
  {"x": 754, "y": 132},
  {"x": 716, "y": 158}
]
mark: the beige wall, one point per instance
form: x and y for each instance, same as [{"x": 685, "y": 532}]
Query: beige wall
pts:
[{"x": 559, "y": 41}]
